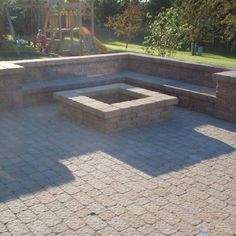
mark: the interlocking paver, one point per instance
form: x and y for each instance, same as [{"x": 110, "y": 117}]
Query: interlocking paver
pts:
[
  {"x": 137, "y": 210},
  {"x": 131, "y": 232},
  {"x": 107, "y": 215},
  {"x": 39, "y": 228},
  {"x": 108, "y": 231},
  {"x": 16, "y": 206},
  {"x": 118, "y": 223},
  {"x": 147, "y": 229},
  {"x": 3, "y": 228},
  {"x": 74, "y": 222},
  {"x": 132, "y": 219},
  {"x": 59, "y": 228},
  {"x": 95, "y": 222},
  {"x": 59, "y": 178},
  {"x": 39, "y": 208},
  {"x": 165, "y": 228},
  {"x": 49, "y": 218},
  {"x": 26, "y": 216},
  {"x": 149, "y": 218},
  {"x": 18, "y": 228},
  {"x": 7, "y": 216}
]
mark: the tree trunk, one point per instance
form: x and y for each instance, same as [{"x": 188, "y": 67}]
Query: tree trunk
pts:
[
  {"x": 127, "y": 42},
  {"x": 2, "y": 23}
]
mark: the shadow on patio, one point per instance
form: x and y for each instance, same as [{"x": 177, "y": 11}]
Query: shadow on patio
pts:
[{"x": 37, "y": 142}]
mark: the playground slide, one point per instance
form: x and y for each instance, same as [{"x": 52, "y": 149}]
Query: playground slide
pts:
[
  {"x": 98, "y": 44},
  {"x": 102, "y": 48}
]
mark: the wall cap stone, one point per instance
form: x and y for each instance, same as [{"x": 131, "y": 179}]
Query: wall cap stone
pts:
[
  {"x": 17, "y": 67},
  {"x": 119, "y": 56},
  {"x": 226, "y": 76},
  {"x": 71, "y": 60},
  {"x": 178, "y": 63},
  {"x": 9, "y": 68}
]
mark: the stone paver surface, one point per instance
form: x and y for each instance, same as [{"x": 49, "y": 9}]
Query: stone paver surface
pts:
[{"x": 58, "y": 177}]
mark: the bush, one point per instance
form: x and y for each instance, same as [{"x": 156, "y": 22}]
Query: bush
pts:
[
  {"x": 128, "y": 23},
  {"x": 166, "y": 33}
]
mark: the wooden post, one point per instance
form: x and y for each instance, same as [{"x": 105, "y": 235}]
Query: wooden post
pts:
[
  {"x": 60, "y": 31},
  {"x": 92, "y": 16},
  {"x": 41, "y": 16},
  {"x": 10, "y": 24},
  {"x": 71, "y": 27},
  {"x": 77, "y": 19},
  {"x": 12, "y": 28},
  {"x": 47, "y": 20},
  {"x": 80, "y": 27},
  {"x": 2, "y": 28}
]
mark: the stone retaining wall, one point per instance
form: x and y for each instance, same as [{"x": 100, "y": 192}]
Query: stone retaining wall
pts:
[
  {"x": 14, "y": 74},
  {"x": 69, "y": 66},
  {"x": 189, "y": 72}
]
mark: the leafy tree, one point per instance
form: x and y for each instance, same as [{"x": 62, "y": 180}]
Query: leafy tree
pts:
[
  {"x": 127, "y": 23},
  {"x": 1, "y": 23},
  {"x": 167, "y": 33},
  {"x": 225, "y": 16},
  {"x": 106, "y": 8},
  {"x": 207, "y": 17},
  {"x": 154, "y": 7},
  {"x": 198, "y": 15}
]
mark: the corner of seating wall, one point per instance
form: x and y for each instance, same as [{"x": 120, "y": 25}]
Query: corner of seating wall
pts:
[
  {"x": 11, "y": 76},
  {"x": 225, "y": 95}
]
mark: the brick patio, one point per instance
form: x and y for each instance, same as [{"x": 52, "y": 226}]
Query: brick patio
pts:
[{"x": 173, "y": 178}]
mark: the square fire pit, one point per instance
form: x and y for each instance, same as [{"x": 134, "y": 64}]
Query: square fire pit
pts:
[{"x": 115, "y": 107}]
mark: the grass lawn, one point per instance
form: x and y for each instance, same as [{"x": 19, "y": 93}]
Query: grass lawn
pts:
[
  {"x": 25, "y": 53},
  {"x": 218, "y": 57},
  {"x": 8, "y": 51}
]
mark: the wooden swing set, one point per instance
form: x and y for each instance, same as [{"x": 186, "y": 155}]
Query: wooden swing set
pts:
[{"x": 61, "y": 18}]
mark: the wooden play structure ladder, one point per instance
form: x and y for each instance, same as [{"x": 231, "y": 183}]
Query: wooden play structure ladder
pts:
[{"x": 71, "y": 17}]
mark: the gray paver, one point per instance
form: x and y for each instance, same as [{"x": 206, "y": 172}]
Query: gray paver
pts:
[{"x": 173, "y": 178}]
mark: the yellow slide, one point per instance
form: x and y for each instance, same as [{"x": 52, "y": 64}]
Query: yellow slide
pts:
[{"x": 99, "y": 45}]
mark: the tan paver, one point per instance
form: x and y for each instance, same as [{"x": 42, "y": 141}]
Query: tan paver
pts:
[{"x": 58, "y": 177}]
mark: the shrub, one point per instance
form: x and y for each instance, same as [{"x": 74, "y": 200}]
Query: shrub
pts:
[{"x": 166, "y": 33}]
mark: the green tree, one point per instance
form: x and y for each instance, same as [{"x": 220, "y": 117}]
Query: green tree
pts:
[
  {"x": 2, "y": 27},
  {"x": 225, "y": 16},
  {"x": 166, "y": 33},
  {"x": 154, "y": 7},
  {"x": 206, "y": 17},
  {"x": 107, "y": 8},
  {"x": 127, "y": 23},
  {"x": 198, "y": 15}
]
